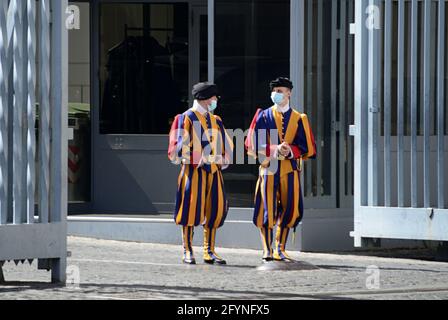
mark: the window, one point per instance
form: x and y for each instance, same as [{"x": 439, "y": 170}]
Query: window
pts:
[
  {"x": 79, "y": 107},
  {"x": 249, "y": 52},
  {"x": 143, "y": 67}
]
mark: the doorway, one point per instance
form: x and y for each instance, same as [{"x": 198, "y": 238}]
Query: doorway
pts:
[{"x": 147, "y": 55}]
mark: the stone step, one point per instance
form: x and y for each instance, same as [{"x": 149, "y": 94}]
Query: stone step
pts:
[{"x": 320, "y": 231}]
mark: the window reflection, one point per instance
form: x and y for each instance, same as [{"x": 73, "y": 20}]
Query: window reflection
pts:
[
  {"x": 249, "y": 52},
  {"x": 144, "y": 67},
  {"x": 79, "y": 117}
]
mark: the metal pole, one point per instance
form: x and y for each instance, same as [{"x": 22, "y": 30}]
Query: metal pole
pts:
[
  {"x": 414, "y": 102},
  {"x": 343, "y": 105},
  {"x": 31, "y": 104},
  {"x": 19, "y": 191},
  {"x": 333, "y": 75},
  {"x": 373, "y": 113},
  {"x": 440, "y": 107},
  {"x": 427, "y": 101},
  {"x": 211, "y": 40},
  {"x": 350, "y": 100},
  {"x": 44, "y": 112},
  {"x": 59, "y": 137},
  {"x": 387, "y": 100},
  {"x": 297, "y": 40},
  {"x": 4, "y": 77},
  {"x": 309, "y": 94},
  {"x": 400, "y": 98},
  {"x": 360, "y": 128},
  {"x": 319, "y": 97}
]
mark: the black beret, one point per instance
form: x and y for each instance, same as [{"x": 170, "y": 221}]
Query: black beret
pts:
[
  {"x": 281, "y": 82},
  {"x": 204, "y": 91}
]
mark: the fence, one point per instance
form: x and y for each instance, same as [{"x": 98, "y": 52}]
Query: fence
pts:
[
  {"x": 401, "y": 121},
  {"x": 33, "y": 140}
]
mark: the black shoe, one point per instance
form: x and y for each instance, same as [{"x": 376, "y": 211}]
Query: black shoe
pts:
[
  {"x": 189, "y": 261},
  {"x": 282, "y": 257},
  {"x": 267, "y": 260},
  {"x": 288, "y": 260},
  {"x": 216, "y": 260}
]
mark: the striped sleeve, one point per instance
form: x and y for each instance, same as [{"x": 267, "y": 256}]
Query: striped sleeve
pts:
[
  {"x": 228, "y": 146},
  {"x": 257, "y": 141},
  {"x": 174, "y": 140},
  {"x": 180, "y": 140},
  {"x": 252, "y": 135},
  {"x": 304, "y": 145}
]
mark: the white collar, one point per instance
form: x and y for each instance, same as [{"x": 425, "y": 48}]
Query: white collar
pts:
[
  {"x": 283, "y": 109},
  {"x": 197, "y": 107}
]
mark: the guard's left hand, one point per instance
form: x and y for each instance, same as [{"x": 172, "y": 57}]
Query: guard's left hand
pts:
[{"x": 285, "y": 149}]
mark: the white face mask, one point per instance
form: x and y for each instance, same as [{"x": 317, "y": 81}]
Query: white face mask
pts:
[
  {"x": 213, "y": 105},
  {"x": 277, "y": 97}
]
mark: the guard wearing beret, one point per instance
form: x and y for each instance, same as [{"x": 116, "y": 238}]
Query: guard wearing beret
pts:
[
  {"x": 280, "y": 138},
  {"x": 199, "y": 143}
]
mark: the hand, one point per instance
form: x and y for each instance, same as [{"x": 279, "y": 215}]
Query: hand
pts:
[
  {"x": 284, "y": 149},
  {"x": 219, "y": 159},
  {"x": 202, "y": 161}
]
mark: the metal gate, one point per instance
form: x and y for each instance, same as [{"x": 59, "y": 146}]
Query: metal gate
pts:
[
  {"x": 33, "y": 134},
  {"x": 327, "y": 99},
  {"x": 400, "y": 127}
]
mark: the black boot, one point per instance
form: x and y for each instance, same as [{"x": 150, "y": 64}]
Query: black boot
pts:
[
  {"x": 210, "y": 256},
  {"x": 187, "y": 241}
]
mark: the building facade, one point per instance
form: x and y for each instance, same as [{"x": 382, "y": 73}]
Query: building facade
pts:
[{"x": 132, "y": 64}]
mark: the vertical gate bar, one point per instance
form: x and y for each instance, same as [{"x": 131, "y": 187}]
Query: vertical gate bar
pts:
[
  {"x": 59, "y": 113},
  {"x": 59, "y": 122},
  {"x": 297, "y": 40},
  {"x": 360, "y": 88},
  {"x": 427, "y": 101},
  {"x": 414, "y": 101},
  {"x": 433, "y": 81},
  {"x": 421, "y": 108},
  {"x": 334, "y": 41},
  {"x": 373, "y": 113},
  {"x": 400, "y": 97},
  {"x": 44, "y": 112},
  {"x": 10, "y": 96},
  {"x": 350, "y": 103},
  {"x": 24, "y": 80},
  {"x": 31, "y": 104},
  {"x": 440, "y": 106},
  {"x": 19, "y": 100},
  {"x": 387, "y": 100},
  {"x": 342, "y": 99},
  {"x": 211, "y": 39},
  {"x": 319, "y": 186},
  {"x": 4, "y": 76},
  {"x": 309, "y": 94}
]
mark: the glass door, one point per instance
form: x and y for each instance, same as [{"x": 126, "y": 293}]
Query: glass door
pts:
[
  {"x": 149, "y": 54},
  {"x": 143, "y": 66},
  {"x": 250, "y": 51}
]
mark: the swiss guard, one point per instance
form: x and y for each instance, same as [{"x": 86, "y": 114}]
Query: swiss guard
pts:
[
  {"x": 199, "y": 143},
  {"x": 280, "y": 138}
]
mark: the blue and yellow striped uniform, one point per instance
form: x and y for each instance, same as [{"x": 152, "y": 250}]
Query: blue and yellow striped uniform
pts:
[
  {"x": 200, "y": 197},
  {"x": 278, "y": 195}
]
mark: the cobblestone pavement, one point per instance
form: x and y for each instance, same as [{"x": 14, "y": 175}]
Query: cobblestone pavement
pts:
[{"x": 126, "y": 270}]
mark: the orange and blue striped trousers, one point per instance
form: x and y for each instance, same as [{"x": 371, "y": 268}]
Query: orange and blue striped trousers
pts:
[
  {"x": 201, "y": 198},
  {"x": 278, "y": 200}
]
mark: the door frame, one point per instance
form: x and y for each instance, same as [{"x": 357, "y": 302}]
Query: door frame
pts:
[
  {"x": 122, "y": 142},
  {"x": 194, "y": 49}
]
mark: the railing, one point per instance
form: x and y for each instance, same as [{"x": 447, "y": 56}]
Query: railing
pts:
[
  {"x": 400, "y": 129},
  {"x": 33, "y": 71}
]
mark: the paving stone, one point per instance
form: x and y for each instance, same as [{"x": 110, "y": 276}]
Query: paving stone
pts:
[{"x": 127, "y": 270}]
